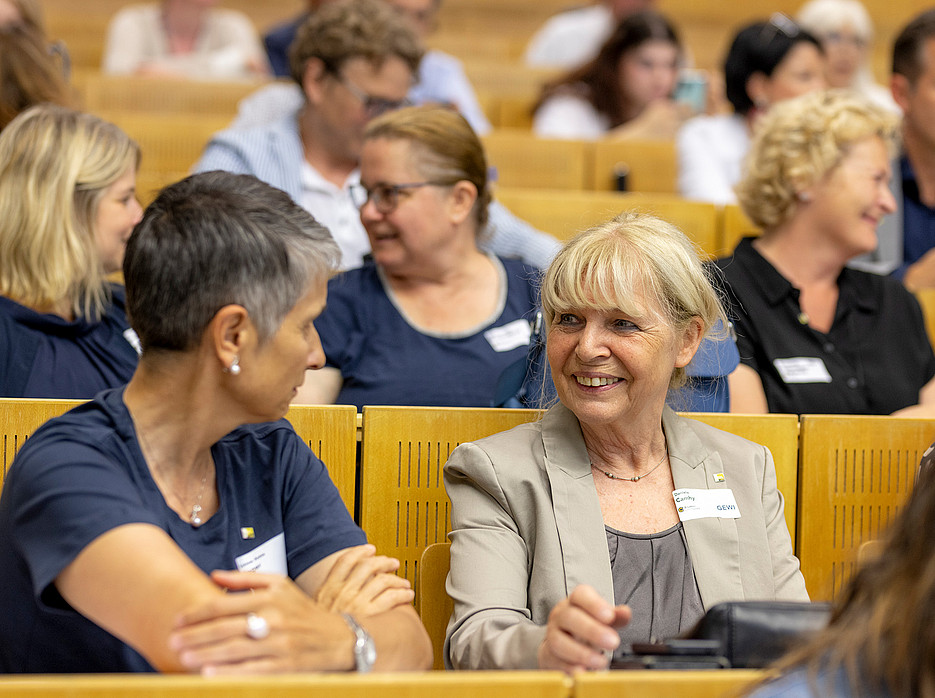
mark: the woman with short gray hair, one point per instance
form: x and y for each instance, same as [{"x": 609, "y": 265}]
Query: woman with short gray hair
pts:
[{"x": 124, "y": 522}]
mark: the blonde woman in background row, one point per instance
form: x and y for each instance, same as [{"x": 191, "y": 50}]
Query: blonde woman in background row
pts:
[
  {"x": 814, "y": 335},
  {"x": 67, "y": 190},
  {"x": 845, "y": 31}
]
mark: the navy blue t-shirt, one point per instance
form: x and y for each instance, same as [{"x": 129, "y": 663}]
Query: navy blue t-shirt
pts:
[
  {"x": 385, "y": 360},
  {"x": 45, "y": 356},
  {"x": 83, "y": 474}
]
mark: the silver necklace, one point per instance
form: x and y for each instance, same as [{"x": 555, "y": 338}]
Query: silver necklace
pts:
[
  {"x": 196, "y": 507},
  {"x": 635, "y": 478},
  {"x": 195, "y": 516}
]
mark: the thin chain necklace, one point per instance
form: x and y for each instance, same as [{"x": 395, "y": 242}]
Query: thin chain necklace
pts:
[
  {"x": 194, "y": 517},
  {"x": 635, "y": 478}
]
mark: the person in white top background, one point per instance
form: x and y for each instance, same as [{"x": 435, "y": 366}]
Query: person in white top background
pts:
[
  {"x": 184, "y": 38},
  {"x": 571, "y": 38}
]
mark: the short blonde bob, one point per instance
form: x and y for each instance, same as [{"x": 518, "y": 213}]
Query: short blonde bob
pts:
[
  {"x": 635, "y": 263},
  {"x": 55, "y": 167},
  {"x": 799, "y": 142}
]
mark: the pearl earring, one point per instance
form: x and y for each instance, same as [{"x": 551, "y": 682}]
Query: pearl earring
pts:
[{"x": 234, "y": 369}]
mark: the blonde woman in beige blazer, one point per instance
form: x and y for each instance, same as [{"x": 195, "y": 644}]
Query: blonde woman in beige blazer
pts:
[{"x": 552, "y": 521}]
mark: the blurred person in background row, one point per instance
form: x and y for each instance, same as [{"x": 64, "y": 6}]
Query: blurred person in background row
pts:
[
  {"x": 68, "y": 193},
  {"x": 29, "y": 73},
  {"x": 572, "y": 38},
  {"x": 625, "y": 92},
  {"x": 767, "y": 63},
  {"x": 845, "y": 31},
  {"x": 816, "y": 336},
  {"x": 354, "y": 60},
  {"x": 185, "y": 39},
  {"x": 440, "y": 78},
  {"x": 431, "y": 319}
]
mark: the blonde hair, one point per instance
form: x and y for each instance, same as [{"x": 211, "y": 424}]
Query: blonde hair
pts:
[
  {"x": 55, "y": 167},
  {"x": 635, "y": 255},
  {"x": 800, "y": 141},
  {"x": 445, "y": 145}
]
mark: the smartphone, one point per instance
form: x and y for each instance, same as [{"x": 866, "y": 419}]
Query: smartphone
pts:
[{"x": 692, "y": 90}]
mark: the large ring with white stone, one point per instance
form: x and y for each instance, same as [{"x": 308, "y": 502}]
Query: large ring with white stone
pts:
[{"x": 257, "y": 627}]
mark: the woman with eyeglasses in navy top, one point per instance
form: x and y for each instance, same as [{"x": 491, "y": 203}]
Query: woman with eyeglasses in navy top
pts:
[{"x": 430, "y": 319}]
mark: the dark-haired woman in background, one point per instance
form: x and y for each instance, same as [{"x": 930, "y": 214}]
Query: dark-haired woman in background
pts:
[
  {"x": 624, "y": 92},
  {"x": 767, "y": 63}
]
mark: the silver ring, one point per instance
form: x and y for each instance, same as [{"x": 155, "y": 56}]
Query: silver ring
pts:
[{"x": 257, "y": 627}]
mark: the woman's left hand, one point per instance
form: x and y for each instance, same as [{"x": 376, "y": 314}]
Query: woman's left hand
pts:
[
  {"x": 363, "y": 584},
  {"x": 274, "y": 627}
]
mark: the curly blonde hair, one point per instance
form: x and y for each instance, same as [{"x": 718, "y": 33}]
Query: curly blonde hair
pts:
[{"x": 799, "y": 142}]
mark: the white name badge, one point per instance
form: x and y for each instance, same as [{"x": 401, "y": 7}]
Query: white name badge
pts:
[
  {"x": 269, "y": 558},
  {"x": 802, "y": 369},
  {"x": 705, "y": 504},
  {"x": 509, "y": 336}
]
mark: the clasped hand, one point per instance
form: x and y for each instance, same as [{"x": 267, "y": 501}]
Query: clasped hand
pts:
[
  {"x": 582, "y": 632},
  {"x": 305, "y": 633}
]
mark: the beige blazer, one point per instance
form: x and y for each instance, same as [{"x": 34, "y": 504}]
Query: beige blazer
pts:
[{"x": 527, "y": 529}]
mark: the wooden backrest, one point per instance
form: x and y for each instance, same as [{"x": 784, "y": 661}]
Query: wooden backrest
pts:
[
  {"x": 780, "y": 434},
  {"x": 108, "y": 93},
  {"x": 433, "y": 604},
  {"x": 331, "y": 432},
  {"x": 523, "y": 160},
  {"x": 855, "y": 474},
  {"x": 566, "y": 213},
  {"x": 170, "y": 143},
  {"x": 926, "y": 298},
  {"x": 403, "y": 504},
  {"x": 651, "y": 165},
  {"x": 734, "y": 225},
  {"x": 19, "y": 418}
]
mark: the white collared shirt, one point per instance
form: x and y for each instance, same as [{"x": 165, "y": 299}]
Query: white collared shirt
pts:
[{"x": 333, "y": 208}]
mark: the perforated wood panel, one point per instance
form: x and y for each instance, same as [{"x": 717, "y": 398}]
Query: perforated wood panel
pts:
[
  {"x": 19, "y": 418},
  {"x": 403, "y": 504},
  {"x": 854, "y": 477},
  {"x": 331, "y": 432}
]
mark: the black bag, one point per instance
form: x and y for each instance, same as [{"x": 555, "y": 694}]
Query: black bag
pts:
[{"x": 754, "y": 634}]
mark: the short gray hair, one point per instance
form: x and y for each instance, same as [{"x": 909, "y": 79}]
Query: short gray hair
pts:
[{"x": 215, "y": 239}]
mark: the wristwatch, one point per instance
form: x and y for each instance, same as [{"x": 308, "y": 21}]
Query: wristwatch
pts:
[{"x": 365, "y": 651}]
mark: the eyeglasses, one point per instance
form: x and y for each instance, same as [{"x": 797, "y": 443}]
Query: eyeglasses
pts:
[
  {"x": 373, "y": 105},
  {"x": 778, "y": 24},
  {"x": 385, "y": 197}
]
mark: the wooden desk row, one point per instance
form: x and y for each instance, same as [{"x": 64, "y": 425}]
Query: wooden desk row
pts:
[{"x": 527, "y": 684}]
